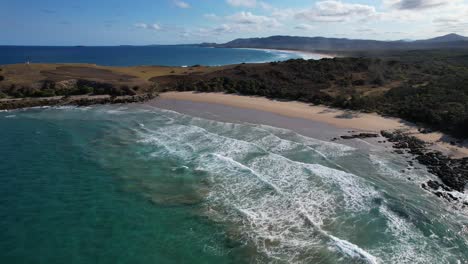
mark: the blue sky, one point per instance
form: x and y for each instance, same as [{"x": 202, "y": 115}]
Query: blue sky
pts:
[{"x": 141, "y": 22}]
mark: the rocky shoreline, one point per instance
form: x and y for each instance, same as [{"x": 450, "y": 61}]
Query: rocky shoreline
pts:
[
  {"x": 11, "y": 104},
  {"x": 453, "y": 173}
]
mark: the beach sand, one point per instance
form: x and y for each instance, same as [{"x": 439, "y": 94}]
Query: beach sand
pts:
[
  {"x": 334, "y": 121},
  {"x": 306, "y": 55}
]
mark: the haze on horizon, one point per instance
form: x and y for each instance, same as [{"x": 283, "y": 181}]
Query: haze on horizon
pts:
[{"x": 141, "y": 22}]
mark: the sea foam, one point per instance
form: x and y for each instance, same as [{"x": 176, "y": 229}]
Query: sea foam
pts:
[{"x": 287, "y": 208}]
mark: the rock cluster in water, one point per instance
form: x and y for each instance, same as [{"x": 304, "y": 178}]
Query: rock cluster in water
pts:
[{"x": 452, "y": 172}]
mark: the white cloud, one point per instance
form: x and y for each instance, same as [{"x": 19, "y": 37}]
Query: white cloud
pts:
[
  {"x": 265, "y": 5},
  {"x": 211, "y": 16},
  {"x": 417, "y": 18},
  {"x": 148, "y": 26},
  {"x": 305, "y": 27},
  {"x": 336, "y": 11},
  {"x": 247, "y": 18},
  {"x": 250, "y": 4},
  {"x": 425, "y": 12},
  {"x": 416, "y": 4},
  {"x": 242, "y": 3},
  {"x": 242, "y": 22},
  {"x": 451, "y": 25},
  {"x": 181, "y": 4}
]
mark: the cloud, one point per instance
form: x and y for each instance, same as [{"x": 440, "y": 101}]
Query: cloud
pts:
[
  {"x": 265, "y": 5},
  {"x": 304, "y": 27},
  {"x": 247, "y": 18},
  {"x": 211, "y": 16},
  {"x": 250, "y": 4},
  {"x": 365, "y": 30},
  {"x": 416, "y": 4},
  {"x": 181, "y": 4},
  {"x": 242, "y": 3},
  {"x": 242, "y": 22},
  {"x": 451, "y": 25},
  {"x": 155, "y": 26},
  {"x": 336, "y": 11}
]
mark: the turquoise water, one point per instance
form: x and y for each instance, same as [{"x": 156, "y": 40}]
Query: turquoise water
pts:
[
  {"x": 138, "y": 184},
  {"x": 140, "y": 55}
]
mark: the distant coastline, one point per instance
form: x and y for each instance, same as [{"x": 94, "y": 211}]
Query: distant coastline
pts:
[{"x": 306, "y": 55}]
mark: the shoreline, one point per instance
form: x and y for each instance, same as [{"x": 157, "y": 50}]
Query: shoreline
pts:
[
  {"x": 306, "y": 55},
  {"x": 77, "y": 100},
  {"x": 342, "y": 119}
]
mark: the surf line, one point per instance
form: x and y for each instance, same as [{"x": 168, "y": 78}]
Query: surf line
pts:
[{"x": 344, "y": 246}]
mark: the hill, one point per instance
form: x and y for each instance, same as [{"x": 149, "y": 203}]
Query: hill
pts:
[
  {"x": 343, "y": 44},
  {"x": 425, "y": 87},
  {"x": 445, "y": 38}
]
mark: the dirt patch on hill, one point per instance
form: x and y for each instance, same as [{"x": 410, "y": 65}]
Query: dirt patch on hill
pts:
[{"x": 76, "y": 72}]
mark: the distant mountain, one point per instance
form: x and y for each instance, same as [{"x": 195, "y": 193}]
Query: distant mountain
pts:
[
  {"x": 343, "y": 44},
  {"x": 446, "y": 38}
]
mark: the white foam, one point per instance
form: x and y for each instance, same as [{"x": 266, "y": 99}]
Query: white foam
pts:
[
  {"x": 284, "y": 207},
  {"x": 296, "y": 184},
  {"x": 353, "y": 250},
  {"x": 409, "y": 243}
]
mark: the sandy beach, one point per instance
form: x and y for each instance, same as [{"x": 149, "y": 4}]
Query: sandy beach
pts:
[
  {"x": 337, "y": 118},
  {"x": 306, "y": 55}
]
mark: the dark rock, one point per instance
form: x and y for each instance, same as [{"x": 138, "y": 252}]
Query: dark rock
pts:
[
  {"x": 78, "y": 101},
  {"x": 361, "y": 135},
  {"x": 425, "y": 130},
  {"x": 452, "y": 172}
]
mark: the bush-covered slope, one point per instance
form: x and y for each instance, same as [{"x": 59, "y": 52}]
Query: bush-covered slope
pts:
[{"x": 430, "y": 89}]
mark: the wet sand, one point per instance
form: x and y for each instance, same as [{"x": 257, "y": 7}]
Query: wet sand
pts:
[{"x": 327, "y": 122}]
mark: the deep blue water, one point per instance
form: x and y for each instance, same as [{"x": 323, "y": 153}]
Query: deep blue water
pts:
[{"x": 138, "y": 55}]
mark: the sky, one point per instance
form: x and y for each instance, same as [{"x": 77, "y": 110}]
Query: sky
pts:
[{"x": 143, "y": 22}]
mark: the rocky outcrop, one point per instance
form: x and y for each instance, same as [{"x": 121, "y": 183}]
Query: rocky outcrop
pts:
[
  {"x": 10, "y": 104},
  {"x": 361, "y": 136},
  {"x": 452, "y": 172}
]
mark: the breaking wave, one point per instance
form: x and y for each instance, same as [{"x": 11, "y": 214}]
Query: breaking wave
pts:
[{"x": 292, "y": 197}]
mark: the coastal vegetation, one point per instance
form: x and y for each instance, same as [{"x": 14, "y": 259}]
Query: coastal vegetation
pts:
[
  {"x": 429, "y": 87},
  {"x": 50, "y": 88},
  {"x": 430, "y": 90}
]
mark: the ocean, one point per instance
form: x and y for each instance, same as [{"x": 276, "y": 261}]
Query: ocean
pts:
[
  {"x": 144, "y": 183},
  {"x": 144, "y": 55}
]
